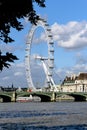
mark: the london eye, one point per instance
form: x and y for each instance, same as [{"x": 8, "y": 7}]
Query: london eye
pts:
[{"x": 49, "y": 59}]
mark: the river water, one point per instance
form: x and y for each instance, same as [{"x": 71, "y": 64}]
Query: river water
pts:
[{"x": 43, "y": 116}]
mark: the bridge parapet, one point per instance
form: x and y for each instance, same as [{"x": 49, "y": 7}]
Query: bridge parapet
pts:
[{"x": 45, "y": 96}]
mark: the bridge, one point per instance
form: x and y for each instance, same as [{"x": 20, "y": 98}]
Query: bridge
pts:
[{"x": 45, "y": 96}]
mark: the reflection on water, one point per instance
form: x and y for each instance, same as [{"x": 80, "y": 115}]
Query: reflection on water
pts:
[
  {"x": 28, "y": 127},
  {"x": 43, "y": 116}
]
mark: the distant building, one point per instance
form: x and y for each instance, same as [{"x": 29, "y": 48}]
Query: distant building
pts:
[{"x": 75, "y": 83}]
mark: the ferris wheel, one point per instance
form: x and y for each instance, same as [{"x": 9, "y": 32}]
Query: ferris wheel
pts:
[{"x": 49, "y": 59}]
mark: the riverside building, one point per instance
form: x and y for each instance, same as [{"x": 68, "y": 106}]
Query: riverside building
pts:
[{"x": 75, "y": 83}]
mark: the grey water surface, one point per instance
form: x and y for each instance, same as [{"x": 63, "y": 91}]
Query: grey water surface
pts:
[{"x": 43, "y": 116}]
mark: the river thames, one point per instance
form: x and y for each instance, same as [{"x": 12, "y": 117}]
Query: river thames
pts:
[{"x": 43, "y": 116}]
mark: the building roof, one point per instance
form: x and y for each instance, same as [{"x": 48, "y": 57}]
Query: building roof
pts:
[
  {"x": 82, "y": 76},
  {"x": 70, "y": 80}
]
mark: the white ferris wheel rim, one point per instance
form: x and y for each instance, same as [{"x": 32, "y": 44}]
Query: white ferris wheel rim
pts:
[{"x": 41, "y": 23}]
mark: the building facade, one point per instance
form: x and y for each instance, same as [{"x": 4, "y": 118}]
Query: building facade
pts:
[{"x": 74, "y": 83}]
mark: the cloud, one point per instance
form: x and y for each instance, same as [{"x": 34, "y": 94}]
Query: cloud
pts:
[
  {"x": 10, "y": 48},
  {"x": 5, "y": 78},
  {"x": 69, "y": 71},
  {"x": 14, "y": 75},
  {"x": 18, "y": 73},
  {"x": 81, "y": 58},
  {"x": 73, "y": 35},
  {"x": 40, "y": 39}
]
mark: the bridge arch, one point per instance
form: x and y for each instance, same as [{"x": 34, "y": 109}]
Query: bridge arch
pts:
[
  {"x": 78, "y": 97},
  {"x": 5, "y": 98},
  {"x": 43, "y": 97},
  {"x": 71, "y": 96}
]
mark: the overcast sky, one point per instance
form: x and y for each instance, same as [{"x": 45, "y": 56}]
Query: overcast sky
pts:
[{"x": 68, "y": 22}]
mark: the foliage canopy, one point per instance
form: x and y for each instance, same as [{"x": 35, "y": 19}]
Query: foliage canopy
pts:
[{"x": 11, "y": 11}]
